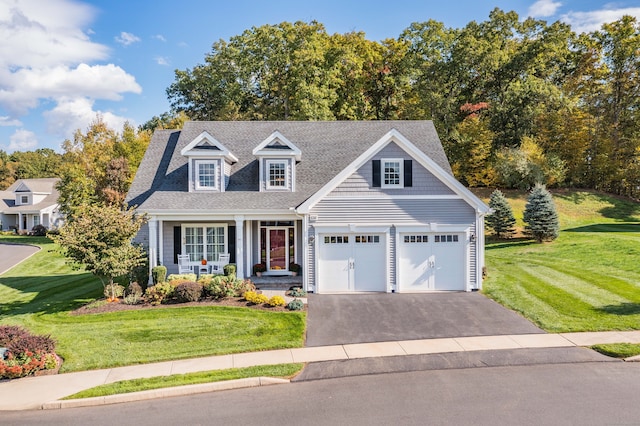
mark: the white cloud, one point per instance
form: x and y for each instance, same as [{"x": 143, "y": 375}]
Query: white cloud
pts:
[
  {"x": 543, "y": 8},
  {"x": 26, "y": 86},
  {"x": 73, "y": 114},
  {"x": 160, "y": 37},
  {"x": 22, "y": 140},
  {"x": 126, "y": 38},
  {"x": 40, "y": 34},
  {"x": 591, "y": 21},
  {"x": 161, "y": 60},
  {"x": 6, "y": 121},
  {"x": 46, "y": 54}
]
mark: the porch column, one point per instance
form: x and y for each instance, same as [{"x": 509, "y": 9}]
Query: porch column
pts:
[
  {"x": 239, "y": 246},
  {"x": 19, "y": 221},
  {"x": 153, "y": 246}
]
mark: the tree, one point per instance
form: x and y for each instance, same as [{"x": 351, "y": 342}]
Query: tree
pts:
[
  {"x": 540, "y": 215},
  {"x": 501, "y": 220},
  {"x": 99, "y": 238}
]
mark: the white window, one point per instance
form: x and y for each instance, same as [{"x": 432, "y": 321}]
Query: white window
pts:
[
  {"x": 206, "y": 173},
  {"x": 36, "y": 220},
  {"x": 24, "y": 199},
  {"x": 392, "y": 173},
  {"x": 204, "y": 242},
  {"x": 277, "y": 171}
]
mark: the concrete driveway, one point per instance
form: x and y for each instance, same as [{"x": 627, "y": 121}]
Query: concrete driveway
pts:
[{"x": 361, "y": 318}]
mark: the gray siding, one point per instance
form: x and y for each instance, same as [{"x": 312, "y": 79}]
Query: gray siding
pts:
[
  {"x": 311, "y": 249},
  {"x": 143, "y": 237},
  {"x": 360, "y": 183},
  {"x": 394, "y": 211}
]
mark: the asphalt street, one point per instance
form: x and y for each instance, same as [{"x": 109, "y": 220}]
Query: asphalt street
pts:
[
  {"x": 12, "y": 254},
  {"x": 594, "y": 393}
]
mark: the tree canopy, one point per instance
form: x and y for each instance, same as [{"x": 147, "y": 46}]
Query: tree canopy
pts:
[{"x": 564, "y": 107}]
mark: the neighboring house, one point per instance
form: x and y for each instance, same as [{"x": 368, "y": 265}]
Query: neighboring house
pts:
[
  {"x": 30, "y": 202},
  {"x": 361, "y": 206}
]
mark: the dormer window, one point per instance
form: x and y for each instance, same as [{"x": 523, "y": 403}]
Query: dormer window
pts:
[
  {"x": 277, "y": 157},
  {"x": 24, "y": 199},
  {"x": 209, "y": 163},
  {"x": 277, "y": 174},
  {"x": 206, "y": 174}
]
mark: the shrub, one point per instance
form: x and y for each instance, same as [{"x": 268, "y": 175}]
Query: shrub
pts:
[
  {"x": 38, "y": 231},
  {"x": 26, "y": 353},
  {"x": 182, "y": 277},
  {"x": 159, "y": 293},
  {"x": 133, "y": 293},
  {"x": 221, "y": 286},
  {"x": 140, "y": 274},
  {"x": 255, "y": 298},
  {"x": 188, "y": 291},
  {"x": 113, "y": 291},
  {"x": 159, "y": 274},
  {"x": 230, "y": 270},
  {"x": 297, "y": 292},
  {"x": 259, "y": 267},
  {"x": 276, "y": 301},
  {"x": 294, "y": 267},
  {"x": 295, "y": 305},
  {"x": 501, "y": 220},
  {"x": 540, "y": 215}
]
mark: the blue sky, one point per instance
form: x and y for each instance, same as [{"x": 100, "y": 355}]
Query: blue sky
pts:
[{"x": 64, "y": 61}]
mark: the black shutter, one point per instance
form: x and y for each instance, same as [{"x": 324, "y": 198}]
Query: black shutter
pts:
[
  {"x": 376, "y": 173},
  {"x": 408, "y": 173},
  {"x": 232, "y": 244},
  {"x": 177, "y": 243}
]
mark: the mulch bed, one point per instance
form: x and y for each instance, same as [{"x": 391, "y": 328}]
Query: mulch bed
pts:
[{"x": 100, "y": 308}]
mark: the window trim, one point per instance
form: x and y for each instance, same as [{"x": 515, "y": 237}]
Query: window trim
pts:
[
  {"x": 216, "y": 174},
  {"x": 24, "y": 200},
  {"x": 383, "y": 162},
  {"x": 267, "y": 163},
  {"x": 204, "y": 226}
]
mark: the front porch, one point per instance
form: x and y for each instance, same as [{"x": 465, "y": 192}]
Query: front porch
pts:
[{"x": 248, "y": 241}]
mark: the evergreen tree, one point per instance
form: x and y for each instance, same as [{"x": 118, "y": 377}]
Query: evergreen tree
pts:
[
  {"x": 501, "y": 221},
  {"x": 540, "y": 215}
]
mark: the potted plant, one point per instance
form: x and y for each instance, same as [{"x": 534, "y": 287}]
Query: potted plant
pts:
[
  {"x": 203, "y": 261},
  {"x": 259, "y": 268},
  {"x": 294, "y": 268}
]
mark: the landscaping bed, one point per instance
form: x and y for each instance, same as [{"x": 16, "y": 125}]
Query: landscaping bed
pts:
[{"x": 102, "y": 306}]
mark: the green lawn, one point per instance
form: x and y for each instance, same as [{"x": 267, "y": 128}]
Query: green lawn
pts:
[
  {"x": 137, "y": 385},
  {"x": 586, "y": 280},
  {"x": 41, "y": 292}
]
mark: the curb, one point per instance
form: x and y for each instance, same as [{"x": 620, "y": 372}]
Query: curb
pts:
[
  {"x": 633, "y": 359},
  {"x": 165, "y": 392}
]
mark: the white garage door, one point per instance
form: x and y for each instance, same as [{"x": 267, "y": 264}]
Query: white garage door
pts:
[
  {"x": 352, "y": 262},
  {"x": 428, "y": 262}
]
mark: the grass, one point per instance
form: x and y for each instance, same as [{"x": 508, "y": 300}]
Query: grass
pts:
[
  {"x": 618, "y": 350},
  {"x": 586, "y": 280},
  {"x": 137, "y": 385},
  {"x": 41, "y": 292}
]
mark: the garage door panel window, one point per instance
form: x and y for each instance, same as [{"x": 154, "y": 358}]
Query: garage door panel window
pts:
[
  {"x": 446, "y": 239},
  {"x": 416, "y": 239},
  {"x": 367, "y": 239},
  {"x": 336, "y": 239}
]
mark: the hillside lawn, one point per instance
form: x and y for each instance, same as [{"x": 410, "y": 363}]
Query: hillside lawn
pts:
[
  {"x": 586, "y": 280},
  {"x": 41, "y": 293}
]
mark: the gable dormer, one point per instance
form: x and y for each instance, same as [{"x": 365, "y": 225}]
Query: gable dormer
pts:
[
  {"x": 277, "y": 157},
  {"x": 209, "y": 164}
]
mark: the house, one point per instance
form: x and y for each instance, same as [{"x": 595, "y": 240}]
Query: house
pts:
[
  {"x": 361, "y": 206},
  {"x": 30, "y": 202}
]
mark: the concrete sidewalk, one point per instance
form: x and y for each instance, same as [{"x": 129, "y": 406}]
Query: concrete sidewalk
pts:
[{"x": 43, "y": 392}]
